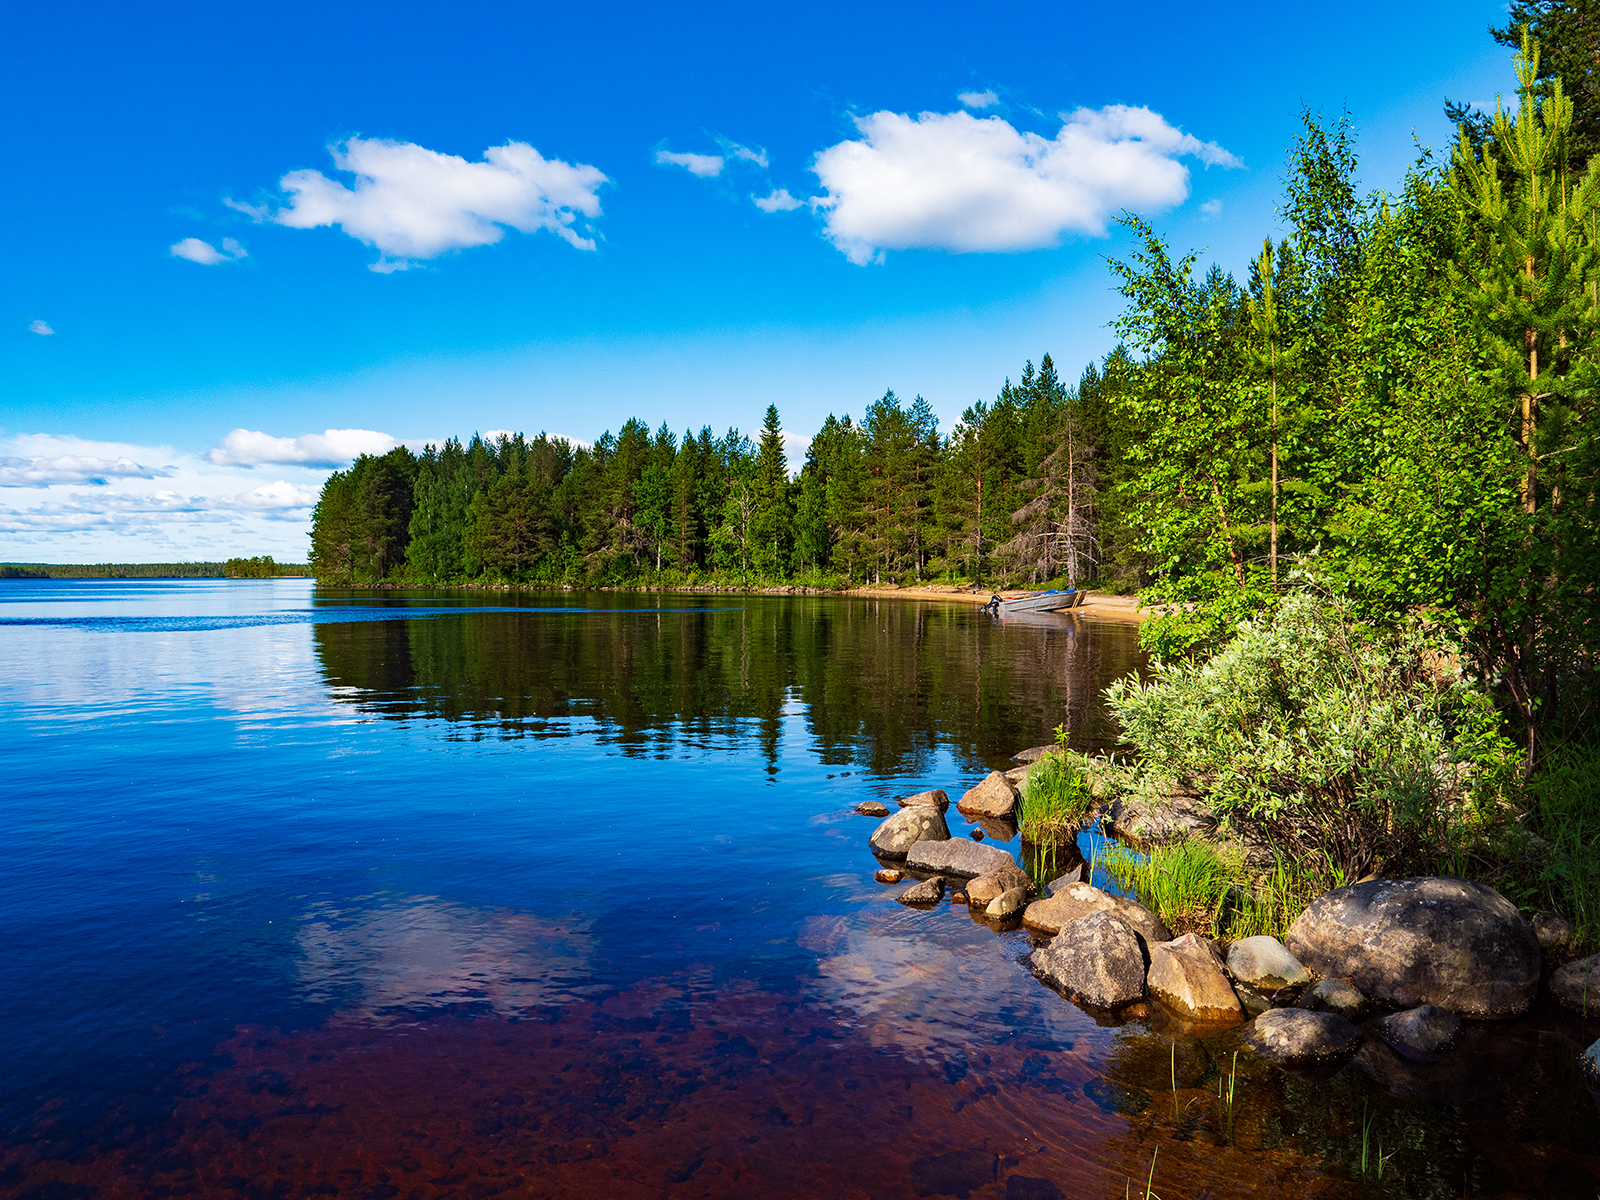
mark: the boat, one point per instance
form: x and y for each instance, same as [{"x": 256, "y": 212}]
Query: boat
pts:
[{"x": 1005, "y": 604}]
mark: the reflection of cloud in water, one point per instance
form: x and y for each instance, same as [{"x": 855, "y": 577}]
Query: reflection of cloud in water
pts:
[
  {"x": 426, "y": 952},
  {"x": 926, "y": 982}
]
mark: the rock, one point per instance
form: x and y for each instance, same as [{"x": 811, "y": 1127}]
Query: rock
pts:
[
  {"x": 1555, "y": 934},
  {"x": 888, "y": 875},
  {"x": 1032, "y": 754},
  {"x": 1577, "y": 985},
  {"x": 996, "y": 796},
  {"x": 872, "y": 808},
  {"x": 1017, "y": 776},
  {"x": 1186, "y": 975},
  {"x": 929, "y": 891},
  {"x": 1423, "y": 1035},
  {"x": 1006, "y": 903},
  {"x": 958, "y": 1173},
  {"x": 986, "y": 887},
  {"x": 956, "y": 856},
  {"x": 1589, "y": 1066},
  {"x": 1060, "y": 881},
  {"x": 960, "y": 897},
  {"x": 1336, "y": 996},
  {"x": 1076, "y": 900},
  {"x": 1144, "y": 820},
  {"x": 1263, "y": 963},
  {"x": 1433, "y": 940},
  {"x": 897, "y": 834},
  {"x": 976, "y": 835},
  {"x": 1296, "y": 1038},
  {"x": 1095, "y": 959},
  {"x": 934, "y": 799}
]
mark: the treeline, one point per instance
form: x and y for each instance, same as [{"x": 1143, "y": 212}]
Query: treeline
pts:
[
  {"x": 1010, "y": 494},
  {"x": 235, "y": 568}
]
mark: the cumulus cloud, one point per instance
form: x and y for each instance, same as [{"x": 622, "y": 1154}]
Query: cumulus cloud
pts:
[
  {"x": 77, "y": 469},
  {"x": 978, "y": 99},
  {"x": 413, "y": 203},
  {"x": 204, "y": 253},
  {"x": 40, "y": 328},
  {"x": 706, "y": 166},
  {"x": 271, "y": 497},
  {"x": 330, "y": 448},
  {"x": 779, "y": 201},
  {"x": 955, "y": 182}
]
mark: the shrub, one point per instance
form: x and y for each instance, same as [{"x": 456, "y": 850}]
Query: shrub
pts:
[{"x": 1056, "y": 797}]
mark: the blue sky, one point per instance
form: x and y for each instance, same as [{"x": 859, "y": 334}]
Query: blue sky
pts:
[{"x": 193, "y": 332}]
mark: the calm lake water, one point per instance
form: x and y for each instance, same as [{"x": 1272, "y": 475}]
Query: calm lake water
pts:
[{"x": 311, "y": 893}]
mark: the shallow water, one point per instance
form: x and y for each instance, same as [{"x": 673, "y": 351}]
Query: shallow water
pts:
[{"x": 319, "y": 893}]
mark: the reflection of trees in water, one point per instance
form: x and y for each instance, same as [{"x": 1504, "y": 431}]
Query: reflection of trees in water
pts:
[{"x": 879, "y": 683}]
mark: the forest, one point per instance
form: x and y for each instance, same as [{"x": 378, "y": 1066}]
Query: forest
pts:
[{"x": 1394, "y": 405}]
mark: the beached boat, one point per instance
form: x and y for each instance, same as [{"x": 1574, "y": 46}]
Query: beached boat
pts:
[{"x": 1004, "y": 604}]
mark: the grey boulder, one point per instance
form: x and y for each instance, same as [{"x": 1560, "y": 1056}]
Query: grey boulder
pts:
[
  {"x": 897, "y": 834},
  {"x": 1006, "y": 903},
  {"x": 1577, "y": 985},
  {"x": 1032, "y": 754},
  {"x": 988, "y": 887},
  {"x": 996, "y": 796},
  {"x": 1423, "y": 1035},
  {"x": 1186, "y": 975},
  {"x": 1298, "y": 1039},
  {"x": 929, "y": 891},
  {"x": 933, "y": 799},
  {"x": 955, "y": 856},
  {"x": 1074, "y": 900},
  {"x": 1450, "y": 942},
  {"x": 1263, "y": 963},
  {"x": 1095, "y": 959}
]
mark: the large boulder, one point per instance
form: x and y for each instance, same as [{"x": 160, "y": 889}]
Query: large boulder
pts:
[
  {"x": 1423, "y": 1035},
  {"x": 1074, "y": 900},
  {"x": 1577, "y": 985},
  {"x": 1095, "y": 959},
  {"x": 1298, "y": 1039},
  {"x": 933, "y": 799},
  {"x": 987, "y": 887},
  {"x": 1263, "y": 963},
  {"x": 897, "y": 834},
  {"x": 955, "y": 856},
  {"x": 1186, "y": 975},
  {"x": 996, "y": 796},
  {"x": 1405, "y": 942},
  {"x": 1144, "y": 819}
]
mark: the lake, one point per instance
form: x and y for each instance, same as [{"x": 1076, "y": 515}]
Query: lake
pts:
[{"x": 426, "y": 894}]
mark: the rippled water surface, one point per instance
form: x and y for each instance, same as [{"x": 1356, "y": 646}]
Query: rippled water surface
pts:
[{"x": 309, "y": 893}]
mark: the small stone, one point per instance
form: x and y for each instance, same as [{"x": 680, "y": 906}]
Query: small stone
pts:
[
  {"x": 1263, "y": 963},
  {"x": 888, "y": 875},
  {"x": 1186, "y": 975},
  {"x": 872, "y": 808},
  {"x": 1577, "y": 985},
  {"x": 1336, "y": 996},
  {"x": 1424, "y": 1034},
  {"x": 931, "y": 799},
  {"x": 897, "y": 834},
  {"x": 929, "y": 891},
  {"x": 977, "y": 835},
  {"x": 1296, "y": 1038},
  {"x": 1006, "y": 903},
  {"x": 1032, "y": 754},
  {"x": 986, "y": 887},
  {"x": 1555, "y": 933},
  {"x": 960, "y": 897},
  {"x": 996, "y": 796}
]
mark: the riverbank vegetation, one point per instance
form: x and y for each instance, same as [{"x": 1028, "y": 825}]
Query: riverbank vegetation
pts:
[{"x": 1363, "y": 480}]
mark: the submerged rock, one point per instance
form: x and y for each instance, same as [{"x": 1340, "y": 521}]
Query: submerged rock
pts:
[
  {"x": 996, "y": 796},
  {"x": 1423, "y": 1035},
  {"x": 1296, "y": 1038},
  {"x": 986, "y": 887},
  {"x": 1336, "y": 996},
  {"x": 932, "y": 799},
  {"x": 929, "y": 891},
  {"x": 1433, "y": 940},
  {"x": 1095, "y": 959},
  {"x": 888, "y": 875},
  {"x": 1577, "y": 985},
  {"x": 897, "y": 834},
  {"x": 1006, "y": 903},
  {"x": 872, "y": 808},
  {"x": 1186, "y": 975},
  {"x": 1263, "y": 963},
  {"x": 956, "y": 856}
]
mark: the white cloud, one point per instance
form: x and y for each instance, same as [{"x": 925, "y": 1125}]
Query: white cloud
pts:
[
  {"x": 40, "y": 328},
  {"x": 330, "y": 448},
  {"x": 414, "y": 203},
  {"x": 706, "y": 166},
  {"x": 955, "y": 182},
  {"x": 1211, "y": 208},
  {"x": 743, "y": 153},
  {"x": 779, "y": 201},
  {"x": 78, "y": 469},
  {"x": 271, "y": 496},
  {"x": 204, "y": 253},
  {"x": 978, "y": 99}
]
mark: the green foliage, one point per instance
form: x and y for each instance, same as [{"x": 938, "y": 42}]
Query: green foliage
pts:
[
  {"x": 1200, "y": 886},
  {"x": 261, "y": 567},
  {"x": 1055, "y": 799}
]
